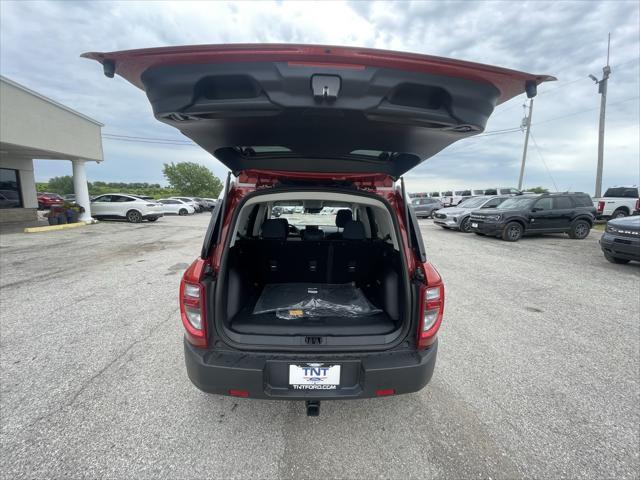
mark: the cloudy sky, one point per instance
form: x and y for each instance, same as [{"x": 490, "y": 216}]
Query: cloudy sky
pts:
[{"x": 41, "y": 43}]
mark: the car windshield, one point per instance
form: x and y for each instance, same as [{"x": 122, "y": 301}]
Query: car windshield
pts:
[
  {"x": 520, "y": 202},
  {"x": 472, "y": 202},
  {"x": 303, "y": 215}
]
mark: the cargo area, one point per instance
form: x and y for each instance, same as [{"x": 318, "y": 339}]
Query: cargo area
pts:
[{"x": 320, "y": 268}]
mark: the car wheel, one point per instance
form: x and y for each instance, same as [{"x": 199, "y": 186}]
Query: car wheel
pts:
[
  {"x": 182, "y": 211},
  {"x": 613, "y": 259},
  {"x": 580, "y": 230},
  {"x": 465, "y": 226},
  {"x": 619, "y": 213},
  {"x": 152, "y": 219},
  {"x": 134, "y": 216},
  {"x": 512, "y": 232}
]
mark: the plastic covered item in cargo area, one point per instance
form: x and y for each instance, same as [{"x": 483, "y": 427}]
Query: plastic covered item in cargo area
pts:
[{"x": 312, "y": 300}]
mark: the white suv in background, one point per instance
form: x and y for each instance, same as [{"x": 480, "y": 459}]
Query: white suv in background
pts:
[
  {"x": 176, "y": 206},
  {"x": 119, "y": 205}
]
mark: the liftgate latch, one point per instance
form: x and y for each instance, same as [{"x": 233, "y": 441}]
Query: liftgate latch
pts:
[{"x": 325, "y": 87}]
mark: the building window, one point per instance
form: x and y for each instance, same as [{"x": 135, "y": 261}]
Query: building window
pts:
[{"x": 10, "y": 196}]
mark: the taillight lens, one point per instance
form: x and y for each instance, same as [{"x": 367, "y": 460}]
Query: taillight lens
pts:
[
  {"x": 600, "y": 206},
  {"x": 638, "y": 205},
  {"x": 431, "y": 307},
  {"x": 192, "y": 305}
]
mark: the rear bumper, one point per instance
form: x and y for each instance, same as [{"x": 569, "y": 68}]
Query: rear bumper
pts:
[
  {"x": 620, "y": 246},
  {"x": 266, "y": 376}
]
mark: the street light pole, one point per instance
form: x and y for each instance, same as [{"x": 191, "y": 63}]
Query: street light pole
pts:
[
  {"x": 526, "y": 144},
  {"x": 602, "y": 90}
]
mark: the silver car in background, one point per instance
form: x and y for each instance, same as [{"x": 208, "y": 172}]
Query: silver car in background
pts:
[
  {"x": 457, "y": 218},
  {"x": 425, "y": 206}
]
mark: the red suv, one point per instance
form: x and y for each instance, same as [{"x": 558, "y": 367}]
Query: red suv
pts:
[
  {"x": 48, "y": 200},
  {"x": 313, "y": 282}
]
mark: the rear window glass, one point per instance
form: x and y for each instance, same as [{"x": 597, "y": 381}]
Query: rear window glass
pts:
[
  {"x": 622, "y": 192},
  {"x": 491, "y": 191}
]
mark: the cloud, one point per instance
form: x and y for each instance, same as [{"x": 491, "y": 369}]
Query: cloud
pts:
[{"x": 40, "y": 44}]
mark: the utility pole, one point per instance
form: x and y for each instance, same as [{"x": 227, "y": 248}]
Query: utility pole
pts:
[
  {"x": 602, "y": 90},
  {"x": 526, "y": 144}
]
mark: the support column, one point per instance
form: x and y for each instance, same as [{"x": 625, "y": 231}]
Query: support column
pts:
[{"x": 81, "y": 189}]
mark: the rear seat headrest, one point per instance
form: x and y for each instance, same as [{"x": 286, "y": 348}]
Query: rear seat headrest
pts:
[
  {"x": 342, "y": 217},
  {"x": 313, "y": 233},
  {"x": 275, "y": 228},
  {"x": 353, "y": 230}
]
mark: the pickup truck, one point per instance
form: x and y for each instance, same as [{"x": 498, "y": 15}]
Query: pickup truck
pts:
[{"x": 618, "y": 202}]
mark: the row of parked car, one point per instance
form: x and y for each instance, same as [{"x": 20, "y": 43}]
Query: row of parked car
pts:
[
  {"x": 133, "y": 208},
  {"x": 451, "y": 198},
  {"x": 512, "y": 217}
]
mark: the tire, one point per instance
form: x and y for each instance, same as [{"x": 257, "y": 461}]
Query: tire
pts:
[
  {"x": 465, "y": 226},
  {"x": 619, "y": 213},
  {"x": 613, "y": 259},
  {"x": 182, "y": 211},
  {"x": 152, "y": 219},
  {"x": 512, "y": 232},
  {"x": 134, "y": 216},
  {"x": 580, "y": 230}
]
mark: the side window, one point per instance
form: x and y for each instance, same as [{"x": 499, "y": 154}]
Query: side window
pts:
[
  {"x": 491, "y": 191},
  {"x": 544, "y": 204},
  {"x": 103, "y": 198},
  {"x": 562, "y": 203},
  {"x": 630, "y": 193},
  {"x": 583, "y": 201}
]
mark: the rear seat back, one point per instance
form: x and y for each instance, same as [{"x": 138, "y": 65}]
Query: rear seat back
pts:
[{"x": 311, "y": 259}]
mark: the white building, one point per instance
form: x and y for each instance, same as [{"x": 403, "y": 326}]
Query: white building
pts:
[{"x": 34, "y": 126}]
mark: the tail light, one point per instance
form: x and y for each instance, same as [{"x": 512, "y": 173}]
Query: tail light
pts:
[
  {"x": 431, "y": 307},
  {"x": 600, "y": 206},
  {"x": 638, "y": 205},
  {"x": 192, "y": 304}
]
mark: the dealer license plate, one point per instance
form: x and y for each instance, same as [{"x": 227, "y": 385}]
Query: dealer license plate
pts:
[{"x": 314, "y": 376}]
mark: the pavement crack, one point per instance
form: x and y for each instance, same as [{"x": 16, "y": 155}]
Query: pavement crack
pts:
[{"x": 87, "y": 383}]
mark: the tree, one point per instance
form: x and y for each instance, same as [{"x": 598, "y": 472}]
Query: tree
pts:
[
  {"x": 537, "y": 190},
  {"x": 61, "y": 185},
  {"x": 192, "y": 179}
]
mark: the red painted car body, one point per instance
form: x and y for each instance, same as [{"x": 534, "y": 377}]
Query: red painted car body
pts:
[
  {"x": 284, "y": 118},
  {"x": 48, "y": 200}
]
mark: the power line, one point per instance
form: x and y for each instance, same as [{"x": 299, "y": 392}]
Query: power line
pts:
[
  {"x": 585, "y": 110},
  {"x": 543, "y": 162}
]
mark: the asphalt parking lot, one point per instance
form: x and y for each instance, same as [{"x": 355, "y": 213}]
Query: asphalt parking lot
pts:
[{"x": 537, "y": 376}]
